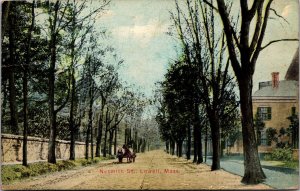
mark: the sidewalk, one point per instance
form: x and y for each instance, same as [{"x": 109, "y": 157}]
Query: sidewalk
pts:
[{"x": 277, "y": 177}]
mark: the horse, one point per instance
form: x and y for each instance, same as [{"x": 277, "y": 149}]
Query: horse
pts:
[{"x": 130, "y": 156}]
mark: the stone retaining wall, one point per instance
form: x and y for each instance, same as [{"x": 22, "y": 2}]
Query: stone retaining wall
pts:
[{"x": 37, "y": 148}]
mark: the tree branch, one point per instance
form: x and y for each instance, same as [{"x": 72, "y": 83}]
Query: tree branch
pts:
[
  {"x": 274, "y": 11},
  {"x": 211, "y": 5},
  {"x": 257, "y": 27},
  {"x": 279, "y": 40},
  {"x": 255, "y": 6},
  {"x": 229, "y": 37},
  {"x": 261, "y": 37}
]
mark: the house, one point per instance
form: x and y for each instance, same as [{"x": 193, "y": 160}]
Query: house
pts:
[{"x": 275, "y": 101}]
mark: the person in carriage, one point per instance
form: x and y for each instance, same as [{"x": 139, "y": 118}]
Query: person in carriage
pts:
[{"x": 120, "y": 155}]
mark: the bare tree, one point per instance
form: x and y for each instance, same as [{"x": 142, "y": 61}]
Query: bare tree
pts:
[{"x": 244, "y": 50}]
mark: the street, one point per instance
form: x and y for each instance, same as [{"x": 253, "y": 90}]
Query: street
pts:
[{"x": 152, "y": 170}]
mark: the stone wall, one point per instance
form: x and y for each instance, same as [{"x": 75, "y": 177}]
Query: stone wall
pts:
[{"x": 37, "y": 148}]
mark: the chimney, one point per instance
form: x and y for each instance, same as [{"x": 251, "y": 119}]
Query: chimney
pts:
[{"x": 275, "y": 79}]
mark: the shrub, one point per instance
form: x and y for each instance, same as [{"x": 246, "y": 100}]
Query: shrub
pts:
[
  {"x": 271, "y": 135},
  {"x": 65, "y": 165},
  {"x": 110, "y": 157},
  {"x": 97, "y": 159},
  {"x": 8, "y": 173},
  {"x": 14, "y": 172},
  {"x": 280, "y": 154},
  {"x": 26, "y": 173},
  {"x": 86, "y": 162}
]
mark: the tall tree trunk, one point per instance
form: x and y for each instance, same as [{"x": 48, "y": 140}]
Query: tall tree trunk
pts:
[
  {"x": 140, "y": 145},
  {"x": 25, "y": 86},
  {"x": 73, "y": 93},
  {"x": 92, "y": 142},
  {"x": 135, "y": 140},
  {"x": 179, "y": 148},
  {"x": 6, "y": 9},
  {"x": 188, "y": 153},
  {"x": 215, "y": 137},
  {"x": 51, "y": 81},
  {"x": 199, "y": 146},
  {"x": 100, "y": 127},
  {"x": 4, "y": 100},
  {"x": 206, "y": 137},
  {"x": 197, "y": 136},
  {"x": 167, "y": 146},
  {"x": 125, "y": 135},
  {"x": 129, "y": 137},
  {"x": 115, "y": 142},
  {"x": 111, "y": 137},
  {"x": 90, "y": 123},
  {"x": 195, "y": 143},
  {"x": 12, "y": 88},
  {"x": 25, "y": 110},
  {"x": 87, "y": 141},
  {"x": 52, "y": 113},
  {"x": 145, "y": 144},
  {"x": 105, "y": 134},
  {"x": 253, "y": 171},
  {"x": 72, "y": 123},
  {"x": 172, "y": 147}
]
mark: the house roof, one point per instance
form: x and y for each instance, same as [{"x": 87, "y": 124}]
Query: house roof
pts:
[
  {"x": 293, "y": 71},
  {"x": 286, "y": 88}
]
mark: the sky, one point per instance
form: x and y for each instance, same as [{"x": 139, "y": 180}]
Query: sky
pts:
[{"x": 137, "y": 30}]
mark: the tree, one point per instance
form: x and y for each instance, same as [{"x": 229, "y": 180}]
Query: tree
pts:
[
  {"x": 27, "y": 39},
  {"x": 271, "y": 135},
  {"x": 243, "y": 52},
  {"x": 11, "y": 72},
  {"x": 25, "y": 83},
  {"x": 293, "y": 129},
  {"x": 259, "y": 126},
  {"x": 56, "y": 13}
]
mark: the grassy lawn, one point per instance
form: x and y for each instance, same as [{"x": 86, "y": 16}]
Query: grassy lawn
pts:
[
  {"x": 9, "y": 173},
  {"x": 290, "y": 164}
]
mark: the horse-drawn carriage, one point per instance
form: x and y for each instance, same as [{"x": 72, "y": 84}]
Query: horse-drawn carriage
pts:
[{"x": 129, "y": 155}]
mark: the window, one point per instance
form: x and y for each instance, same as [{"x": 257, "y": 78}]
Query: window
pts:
[
  {"x": 265, "y": 113},
  {"x": 263, "y": 140}
]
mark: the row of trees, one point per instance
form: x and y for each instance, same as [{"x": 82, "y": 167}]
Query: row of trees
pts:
[
  {"x": 59, "y": 81},
  {"x": 199, "y": 89}
]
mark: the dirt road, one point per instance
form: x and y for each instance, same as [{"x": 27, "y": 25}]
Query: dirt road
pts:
[{"x": 152, "y": 170}]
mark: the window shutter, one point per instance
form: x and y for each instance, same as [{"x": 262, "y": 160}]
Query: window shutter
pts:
[
  {"x": 293, "y": 110},
  {"x": 269, "y": 113}
]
